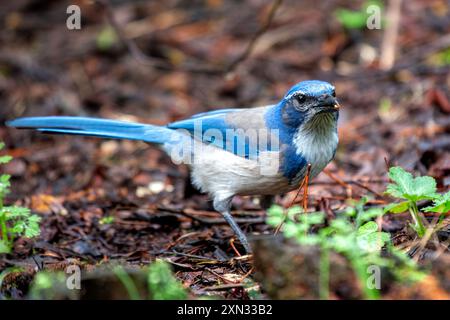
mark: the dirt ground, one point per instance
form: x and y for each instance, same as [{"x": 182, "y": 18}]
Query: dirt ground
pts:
[{"x": 186, "y": 63}]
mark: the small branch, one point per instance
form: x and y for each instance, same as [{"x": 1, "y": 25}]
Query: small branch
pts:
[{"x": 389, "y": 44}]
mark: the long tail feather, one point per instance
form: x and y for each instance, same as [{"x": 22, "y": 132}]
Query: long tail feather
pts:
[{"x": 96, "y": 127}]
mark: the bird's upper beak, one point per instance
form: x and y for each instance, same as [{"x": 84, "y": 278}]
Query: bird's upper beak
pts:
[{"x": 330, "y": 103}]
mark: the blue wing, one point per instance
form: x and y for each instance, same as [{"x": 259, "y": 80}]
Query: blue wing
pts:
[{"x": 220, "y": 128}]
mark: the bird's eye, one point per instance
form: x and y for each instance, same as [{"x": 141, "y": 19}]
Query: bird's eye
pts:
[
  {"x": 301, "y": 98},
  {"x": 334, "y": 93}
]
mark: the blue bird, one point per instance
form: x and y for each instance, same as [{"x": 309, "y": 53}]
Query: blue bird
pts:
[{"x": 249, "y": 151}]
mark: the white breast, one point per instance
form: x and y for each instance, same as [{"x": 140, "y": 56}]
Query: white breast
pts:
[
  {"x": 223, "y": 174},
  {"x": 317, "y": 141}
]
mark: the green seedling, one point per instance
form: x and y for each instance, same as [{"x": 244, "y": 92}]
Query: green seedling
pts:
[
  {"x": 107, "y": 220},
  {"x": 413, "y": 189},
  {"x": 15, "y": 221},
  {"x": 352, "y": 234},
  {"x": 106, "y": 39},
  {"x": 162, "y": 284}
]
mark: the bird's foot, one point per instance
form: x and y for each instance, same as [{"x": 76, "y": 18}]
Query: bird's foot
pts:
[{"x": 237, "y": 230}]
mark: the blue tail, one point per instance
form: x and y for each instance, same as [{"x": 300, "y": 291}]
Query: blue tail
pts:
[{"x": 97, "y": 127}]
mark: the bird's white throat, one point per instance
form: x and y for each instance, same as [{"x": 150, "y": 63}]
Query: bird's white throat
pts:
[{"x": 317, "y": 140}]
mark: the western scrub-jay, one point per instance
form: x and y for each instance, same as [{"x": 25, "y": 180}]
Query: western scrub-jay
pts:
[{"x": 252, "y": 151}]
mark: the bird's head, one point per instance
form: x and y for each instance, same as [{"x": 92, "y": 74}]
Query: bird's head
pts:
[{"x": 308, "y": 99}]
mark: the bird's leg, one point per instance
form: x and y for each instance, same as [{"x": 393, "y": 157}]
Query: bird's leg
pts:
[
  {"x": 224, "y": 206},
  {"x": 305, "y": 184},
  {"x": 237, "y": 230}
]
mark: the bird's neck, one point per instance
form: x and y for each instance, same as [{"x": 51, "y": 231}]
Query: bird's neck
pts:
[
  {"x": 319, "y": 125},
  {"x": 306, "y": 140},
  {"x": 277, "y": 118},
  {"x": 316, "y": 141}
]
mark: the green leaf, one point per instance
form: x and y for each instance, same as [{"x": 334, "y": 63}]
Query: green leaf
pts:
[
  {"x": 5, "y": 159},
  {"x": 16, "y": 212},
  {"x": 440, "y": 205},
  {"x": 369, "y": 214},
  {"x": 351, "y": 19},
  {"x": 368, "y": 227},
  {"x": 373, "y": 242},
  {"x": 275, "y": 210},
  {"x": 309, "y": 240},
  {"x": 424, "y": 188},
  {"x": 370, "y": 239},
  {"x": 404, "y": 182},
  {"x": 312, "y": 218},
  {"x": 106, "y": 39},
  {"x": 290, "y": 230},
  {"x": 342, "y": 243},
  {"x": 4, "y": 184},
  {"x": 274, "y": 221},
  {"x": 275, "y": 215},
  {"x": 405, "y": 186},
  {"x": 106, "y": 220},
  {"x": 18, "y": 227},
  {"x": 162, "y": 284},
  {"x": 341, "y": 226},
  {"x": 4, "y": 247},
  {"x": 350, "y": 211},
  {"x": 397, "y": 207},
  {"x": 32, "y": 229},
  {"x": 4, "y": 178},
  {"x": 294, "y": 211}
]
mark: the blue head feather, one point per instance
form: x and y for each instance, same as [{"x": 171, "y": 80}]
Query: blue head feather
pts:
[
  {"x": 312, "y": 88},
  {"x": 287, "y": 120}
]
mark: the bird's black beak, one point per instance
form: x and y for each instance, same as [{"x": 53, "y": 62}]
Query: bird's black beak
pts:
[{"x": 329, "y": 103}]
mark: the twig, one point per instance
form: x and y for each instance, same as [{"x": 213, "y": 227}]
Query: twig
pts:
[
  {"x": 347, "y": 187},
  {"x": 246, "y": 275},
  {"x": 359, "y": 184},
  {"x": 234, "y": 248},
  {"x": 388, "y": 46},
  {"x": 251, "y": 45},
  {"x": 346, "y": 184},
  {"x": 220, "y": 276},
  {"x": 224, "y": 287}
]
